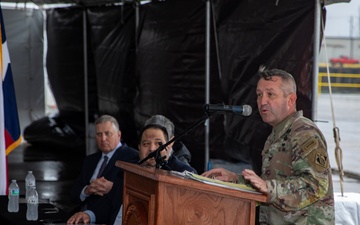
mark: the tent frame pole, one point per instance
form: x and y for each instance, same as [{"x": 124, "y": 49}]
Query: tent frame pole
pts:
[
  {"x": 86, "y": 97},
  {"x": 317, "y": 30},
  {"x": 207, "y": 80}
]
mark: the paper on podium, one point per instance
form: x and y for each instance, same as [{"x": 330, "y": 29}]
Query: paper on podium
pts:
[{"x": 215, "y": 182}]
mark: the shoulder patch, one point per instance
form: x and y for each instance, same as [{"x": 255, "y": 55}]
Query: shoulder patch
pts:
[
  {"x": 309, "y": 145},
  {"x": 319, "y": 159}
]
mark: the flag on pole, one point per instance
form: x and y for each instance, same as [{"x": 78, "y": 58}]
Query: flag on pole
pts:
[{"x": 10, "y": 135}]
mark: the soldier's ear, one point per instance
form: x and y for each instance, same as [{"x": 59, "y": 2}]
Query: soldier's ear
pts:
[{"x": 292, "y": 99}]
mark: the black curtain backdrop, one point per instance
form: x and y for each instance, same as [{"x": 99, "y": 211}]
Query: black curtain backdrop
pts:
[
  {"x": 254, "y": 33},
  {"x": 165, "y": 74},
  {"x": 171, "y": 72},
  {"x": 112, "y": 38}
]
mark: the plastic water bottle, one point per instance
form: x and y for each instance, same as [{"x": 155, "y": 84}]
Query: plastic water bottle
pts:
[
  {"x": 32, "y": 205},
  {"x": 14, "y": 191},
  {"x": 30, "y": 183}
]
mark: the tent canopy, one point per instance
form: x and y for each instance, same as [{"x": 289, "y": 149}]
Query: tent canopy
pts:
[{"x": 161, "y": 69}]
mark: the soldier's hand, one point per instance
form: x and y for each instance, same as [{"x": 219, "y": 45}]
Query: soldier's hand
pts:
[
  {"x": 221, "y": 174},
  {"x": 255, "y": 180}
]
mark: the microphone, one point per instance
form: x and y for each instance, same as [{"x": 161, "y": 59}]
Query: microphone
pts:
[{"x": 244, "y": 110}]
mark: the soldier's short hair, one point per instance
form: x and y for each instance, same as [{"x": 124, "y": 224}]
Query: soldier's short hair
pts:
[{"x": 268, "y": 74}]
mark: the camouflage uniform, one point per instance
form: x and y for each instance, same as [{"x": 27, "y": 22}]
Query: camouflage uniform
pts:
[{"x": 298, "y": 175}]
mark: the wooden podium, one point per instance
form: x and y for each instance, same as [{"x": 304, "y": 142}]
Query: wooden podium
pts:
[{"x": 158, "y": 197}]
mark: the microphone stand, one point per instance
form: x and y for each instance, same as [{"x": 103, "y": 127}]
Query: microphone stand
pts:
[{"x": 160, "y": 161}]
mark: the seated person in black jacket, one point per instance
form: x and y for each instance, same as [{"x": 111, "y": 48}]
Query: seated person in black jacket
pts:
[
  {"x": 108, "y": 211},
  {"x": 181, "y": 152},
  {"x": 159, "y": 129},
  {"x": 94, "y": 181}
]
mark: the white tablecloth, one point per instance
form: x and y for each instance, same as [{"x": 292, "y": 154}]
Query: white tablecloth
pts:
[{"x": 347, "y": 209}]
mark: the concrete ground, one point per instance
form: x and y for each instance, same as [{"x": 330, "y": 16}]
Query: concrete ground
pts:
[{"x": 345, "y": 108}]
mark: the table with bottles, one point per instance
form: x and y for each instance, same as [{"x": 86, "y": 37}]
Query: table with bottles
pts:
[{"x": 47, "y": 213}]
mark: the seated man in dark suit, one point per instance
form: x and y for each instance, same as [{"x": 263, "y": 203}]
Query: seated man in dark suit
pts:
[
  {"x": 156, "y": 130},
  {"x": 159, "y": 129},
  {"x": 96, "y": 180}
]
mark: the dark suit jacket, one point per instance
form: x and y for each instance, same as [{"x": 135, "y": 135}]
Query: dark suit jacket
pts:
[
  {"x": 107, "y": 209},
  {"x": 124, "y": 153}
]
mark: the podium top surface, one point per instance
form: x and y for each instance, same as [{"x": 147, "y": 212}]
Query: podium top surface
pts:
[{"x": 163, "y": 176}]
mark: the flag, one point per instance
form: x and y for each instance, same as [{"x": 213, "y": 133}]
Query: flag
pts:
[{"x": 10, "y": 135}]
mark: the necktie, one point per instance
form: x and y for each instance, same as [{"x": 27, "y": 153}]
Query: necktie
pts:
[{"x": 102, "y": 167}]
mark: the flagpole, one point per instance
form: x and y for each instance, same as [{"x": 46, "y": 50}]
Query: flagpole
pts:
[{"x": 3, "y": 164}]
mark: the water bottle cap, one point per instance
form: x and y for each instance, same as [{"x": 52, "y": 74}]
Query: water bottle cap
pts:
[
  {"x": 29, "y": 171},
  {"x": 14, "y": 181}
]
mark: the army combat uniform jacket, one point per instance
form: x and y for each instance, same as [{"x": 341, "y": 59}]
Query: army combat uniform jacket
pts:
[{"x": 298, "y": 175}]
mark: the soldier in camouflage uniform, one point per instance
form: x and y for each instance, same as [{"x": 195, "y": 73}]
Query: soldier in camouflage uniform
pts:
[{"x": 296, "y": 175}]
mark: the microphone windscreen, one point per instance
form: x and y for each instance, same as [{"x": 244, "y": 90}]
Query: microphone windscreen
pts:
[{"x": 247, "y": 110}]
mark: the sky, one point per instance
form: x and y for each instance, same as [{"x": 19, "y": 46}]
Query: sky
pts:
[{"x": 338, "y": 20}]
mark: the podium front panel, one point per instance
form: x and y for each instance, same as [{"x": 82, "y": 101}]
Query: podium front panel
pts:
[
  {"x": 157, "y": 197},
  {"x": 188, "y": 206}
]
